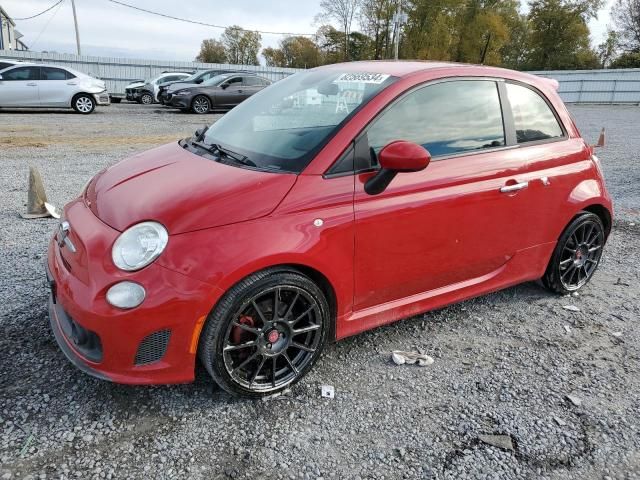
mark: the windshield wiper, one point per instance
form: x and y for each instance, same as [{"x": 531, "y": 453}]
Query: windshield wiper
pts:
[{"x": 214, "y": 149}]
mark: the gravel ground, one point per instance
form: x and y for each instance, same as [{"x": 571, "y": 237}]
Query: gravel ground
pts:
[{"x": 504, "y": 363}]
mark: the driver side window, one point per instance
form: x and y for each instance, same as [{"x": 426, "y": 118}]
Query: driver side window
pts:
[{"x": 445, "y": 118}]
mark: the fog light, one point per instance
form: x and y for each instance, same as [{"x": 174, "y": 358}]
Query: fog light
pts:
[{"x": 125, "y": 295}]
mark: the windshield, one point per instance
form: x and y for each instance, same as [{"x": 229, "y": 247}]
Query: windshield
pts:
[
  {"x": 216, "y": 80},
  {"x": 286, "y": 124}
]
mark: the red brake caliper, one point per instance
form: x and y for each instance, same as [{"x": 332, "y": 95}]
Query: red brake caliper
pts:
[{"x": 238, "y": 335}]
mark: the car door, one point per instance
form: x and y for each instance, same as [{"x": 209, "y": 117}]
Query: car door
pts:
[
  {"x": 19, "y": 87},
  {"x": 230, "y": 93},
  {"x": 56, "y": 87},
  {"x": 251, "y": 85},
  {"x": 452, "y": 222}
]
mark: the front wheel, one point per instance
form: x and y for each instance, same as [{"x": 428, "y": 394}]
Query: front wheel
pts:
[
  {"x": 265, "y": 333},
  {"x": 577, "y": 254},
  {"x": 84, "y": 103},
  {"x": 146, "y": 99}
]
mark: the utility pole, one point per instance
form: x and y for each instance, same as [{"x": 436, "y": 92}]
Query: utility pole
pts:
[
  {"x": 75, "y": 21},
  {"x": 399, "y": 19}
]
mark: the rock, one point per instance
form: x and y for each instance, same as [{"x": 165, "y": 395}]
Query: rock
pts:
[
  {"x": 327, "y": 391},
  {"x": 616, "y": 334},
  {"x": 500, "y": 441},
  {"x": 571, "y": 308},
  {"x": 400, "y": 358},
  {"x": 575, "y": 400},
  {"x": 560, "y": 422}
]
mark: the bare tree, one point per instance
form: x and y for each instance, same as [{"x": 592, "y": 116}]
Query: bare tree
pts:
[
  {"x": 342, "y": 11},
  {"x": 626, "y": 15}
]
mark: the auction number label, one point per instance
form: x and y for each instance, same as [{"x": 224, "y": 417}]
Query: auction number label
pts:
[{"x": 362, "y": 77}]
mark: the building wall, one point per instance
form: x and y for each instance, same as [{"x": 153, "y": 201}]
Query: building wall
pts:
[{"x": 9, "y": 37}]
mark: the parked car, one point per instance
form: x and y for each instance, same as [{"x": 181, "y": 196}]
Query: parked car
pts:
[
  {"x": 338, "y": 200},
  {"x": 195, "y": 79},
  {"x": 42, "y": 85},
  {"x": 220, "y": 92},
  {"x": 128, "y": 90},
  {"x": 148, "y": 92},
  {"x": 6, "y": 63}
]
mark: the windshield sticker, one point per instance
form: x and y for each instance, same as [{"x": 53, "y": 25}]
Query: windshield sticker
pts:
[{"x": 361, "y": 77}]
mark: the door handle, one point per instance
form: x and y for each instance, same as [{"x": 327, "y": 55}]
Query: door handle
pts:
[
  {"x": 515, "y": 187},
  {"x": 71, "y": 83},
  {"x": 32, "y": 84}
]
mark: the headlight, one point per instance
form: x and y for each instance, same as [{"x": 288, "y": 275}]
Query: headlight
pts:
[{"x": 138, "y": 246}]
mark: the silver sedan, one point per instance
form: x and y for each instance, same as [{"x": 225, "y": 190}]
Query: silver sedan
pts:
[{"x": 50, "y": 86}]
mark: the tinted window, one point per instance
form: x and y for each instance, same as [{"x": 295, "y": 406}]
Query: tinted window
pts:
[
  {"x": 532, "y": 116},
  {"x": 4, "y": 65},
  {"x": 252, "y": 81},
  {"x": 48, "y": 73},
  {"x": 22, "y": 73},
  {"x": 445, "y": 118},
  {"x": 235, "y": 81}
]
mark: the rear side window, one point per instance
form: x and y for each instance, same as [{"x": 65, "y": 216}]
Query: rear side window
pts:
[
  {"x": 445, "y": 118},
  {"x": 48, "y": 73},
  {"x": 22, "y": 73},
  {"x": 532, "y": 116}
]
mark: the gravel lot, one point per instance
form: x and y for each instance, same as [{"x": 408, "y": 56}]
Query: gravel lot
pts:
[{"x": 504, "y": 363}]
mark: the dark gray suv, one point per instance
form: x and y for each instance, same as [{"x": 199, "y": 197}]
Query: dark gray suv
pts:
[{"x": 220, "y": 92}]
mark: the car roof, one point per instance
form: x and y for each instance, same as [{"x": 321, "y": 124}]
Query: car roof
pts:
[{"x": 408, "y": 68}]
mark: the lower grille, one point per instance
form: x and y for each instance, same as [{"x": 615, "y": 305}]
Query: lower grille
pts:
[
  {"x": 153, "y": 347},
  {"x": 84, "y": 341}
]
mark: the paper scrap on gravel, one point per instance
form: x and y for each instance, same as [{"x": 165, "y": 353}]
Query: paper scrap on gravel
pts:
[{"x": 400, "y": 358}]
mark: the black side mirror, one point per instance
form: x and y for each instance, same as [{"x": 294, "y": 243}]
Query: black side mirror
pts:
[
  {"x": 198, "y": 81},
  {"x": 224, "y": 86}
]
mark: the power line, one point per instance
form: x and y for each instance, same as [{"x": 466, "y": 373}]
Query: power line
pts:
[
  {"x": 41, "y": 13},
  {"x": 47, "y": 24},
  {"x": 196, "y": 22}
]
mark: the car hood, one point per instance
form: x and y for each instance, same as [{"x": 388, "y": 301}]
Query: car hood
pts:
[
  {"x": 183, "y": 191},
  {"x": 182, "y": 85}
]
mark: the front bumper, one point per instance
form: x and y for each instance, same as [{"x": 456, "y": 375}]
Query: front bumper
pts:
[
  {"x": 154, "y": 343},
  {"x": 180, "y": 101},
  {"x": 102, "y": 98}
]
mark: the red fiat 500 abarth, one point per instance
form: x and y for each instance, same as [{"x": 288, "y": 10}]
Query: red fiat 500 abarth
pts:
[{"x": 334, "y": 201}]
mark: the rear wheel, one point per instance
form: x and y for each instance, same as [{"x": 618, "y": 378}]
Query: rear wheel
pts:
[
  {"x": 201, "y": 104},
  {"x": 84, "y": 103},
  {"x": 265, "y": 333},
  {"x": 577, "y": 254}
]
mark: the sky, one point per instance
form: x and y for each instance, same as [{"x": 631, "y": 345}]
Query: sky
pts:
[{"x": 107, "y": 29}]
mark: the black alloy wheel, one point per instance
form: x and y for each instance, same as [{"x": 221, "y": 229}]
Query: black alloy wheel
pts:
[
  {"x": 577, "y": 254},
  {"x": 265, "y": 333}
]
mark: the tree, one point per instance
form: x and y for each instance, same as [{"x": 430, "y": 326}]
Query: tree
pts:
[
  {"x": 294, "y": 52},
  {"x": 626, "y": 15},
  {"x": 331, "y": 43},
  {"x": 377, "y": 22},
  {"x": 559, "y": 35},
  {"x": 627, "y": 60},
  {"x": 342, "y": 11},
  {"x": 607, "y": 49},
  {"x": 241, "y": 46},
  {"x": 212, "y": 51}
]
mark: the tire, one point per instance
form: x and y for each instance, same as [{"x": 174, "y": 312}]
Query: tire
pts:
[
  {"x": 201, "y": 104},
  {"x": 249, "y": 354},
  {"x": 84, "y": 103},
  {"x": 577, "y": 254},
  {"x": 146, "y": 99}
]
